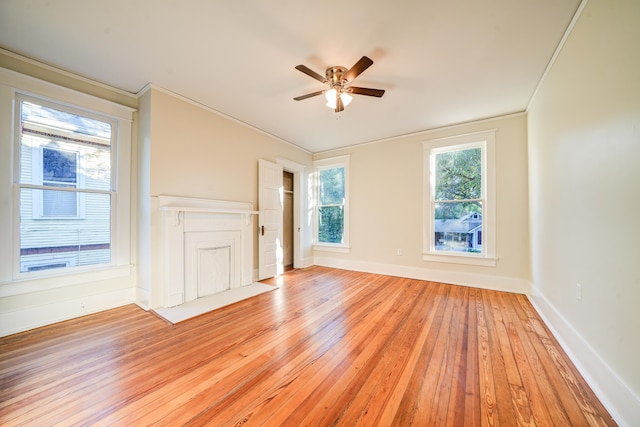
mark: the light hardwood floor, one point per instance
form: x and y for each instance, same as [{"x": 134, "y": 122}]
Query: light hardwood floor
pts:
[{"x": 329, "y": 347}]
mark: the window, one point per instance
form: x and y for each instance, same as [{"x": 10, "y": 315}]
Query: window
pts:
[
  {"x": 65, "y": 159},
  {"x": 332, "y": 204},
  {"x": 65, "y": 186},
  {"x": 459, "y": 199}
]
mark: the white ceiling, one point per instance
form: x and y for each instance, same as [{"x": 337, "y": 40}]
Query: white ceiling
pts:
[{"x": 441, "y": 62}]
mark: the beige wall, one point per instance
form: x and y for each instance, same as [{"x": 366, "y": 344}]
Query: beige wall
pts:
[
  {"x": 194, "y": 152},
  {"x": 386, "y": 209},
  {"x": 198, "y": 153},
  {"x": 584, "y": 161}
]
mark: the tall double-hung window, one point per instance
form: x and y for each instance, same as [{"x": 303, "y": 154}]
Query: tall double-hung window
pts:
[
  {"x": 66, "y": 191},
  {"x": 331, "y": 211},
  {"x": 69, "y": 191},
  {"x": 459, "y": 199}
]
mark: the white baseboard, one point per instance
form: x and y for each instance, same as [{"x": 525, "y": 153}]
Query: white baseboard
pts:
[
  {"x": 615, "y": 395},
  {"x": 498, "y": 283},
  {"x": 34, "y": 317},
  {"x": 307, "y": 262}
]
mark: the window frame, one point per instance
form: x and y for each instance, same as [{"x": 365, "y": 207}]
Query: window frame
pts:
[
  {"x": 325, "y": 164},
  {"x": 486, "y": 141},
  {"x": 13, "y": 88}
]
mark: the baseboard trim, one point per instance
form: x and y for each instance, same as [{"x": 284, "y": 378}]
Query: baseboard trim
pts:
[
  {"x": 497, "y": 283},
  {"x": 614, "y": 394},
  {"x": 307, "y": 262},
  {"x": 34, "y": 317}
]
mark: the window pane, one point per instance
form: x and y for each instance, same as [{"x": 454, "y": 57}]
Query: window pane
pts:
[
  {"x": 61, "y": 147},
  {"x": 330, "y": 224},
  {"x": 458, "y": 227},
  {"x": 59, "y": 166},
  {"x": 49, "y": 243},
  {"x": 331, "y": 186},
  {"x": 459, "y": 174},
  {"x": 40, "y": 119},
  {"x": 59, "y": 203}
]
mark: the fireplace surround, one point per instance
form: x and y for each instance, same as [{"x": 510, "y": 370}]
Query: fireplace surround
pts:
[{"x": 207, "y": 247}]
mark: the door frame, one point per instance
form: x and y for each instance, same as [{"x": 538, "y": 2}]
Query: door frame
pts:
[{"x": 297, "y": 170}]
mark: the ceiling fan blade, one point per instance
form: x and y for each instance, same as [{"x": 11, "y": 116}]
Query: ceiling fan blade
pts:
[
  {"x": 309, "y": 95},
  {"x": 366, "y": 91},
  {"x": 311, "y": 73},
  {"x": 339, "y": 105},
  {"x": 357, "y": 69}
]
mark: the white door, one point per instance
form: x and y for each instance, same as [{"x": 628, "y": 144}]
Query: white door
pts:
[{"x": 270, "y": 200}]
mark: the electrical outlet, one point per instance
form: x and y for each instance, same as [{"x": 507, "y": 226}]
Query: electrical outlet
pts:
[
  {"x": 578, "y": 291},
  {"x": 399, "y": 251}
]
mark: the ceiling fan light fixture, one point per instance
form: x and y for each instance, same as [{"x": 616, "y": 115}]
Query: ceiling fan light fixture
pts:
[
  {"x": 332, "y": 97},
  {"x": 346, "y": 98}
]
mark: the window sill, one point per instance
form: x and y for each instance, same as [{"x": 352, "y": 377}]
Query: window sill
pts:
[
  {"x": 460, "y": 259},
  {"x": 331, "y": 248},
  {"x": 25, "y": 285}
]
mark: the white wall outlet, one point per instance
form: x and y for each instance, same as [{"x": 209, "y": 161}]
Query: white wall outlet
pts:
[
  {"x": 578, "y": 291},
  {"x": 399, "y": 251}
]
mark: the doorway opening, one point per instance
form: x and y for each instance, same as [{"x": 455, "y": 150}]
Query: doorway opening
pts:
[{"x": 287, "y": 220}]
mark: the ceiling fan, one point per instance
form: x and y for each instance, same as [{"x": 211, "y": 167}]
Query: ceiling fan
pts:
[{"x": 338, "y": 96}]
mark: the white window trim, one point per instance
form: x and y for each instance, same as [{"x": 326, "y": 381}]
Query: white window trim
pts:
[
  {"x": 331, "y": 163},
  {"x": 12, "y": 282},
  {"x": 488, "y": 256}
]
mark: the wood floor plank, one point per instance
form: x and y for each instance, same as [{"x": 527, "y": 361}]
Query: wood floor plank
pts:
[
  {"x": 472, "y": 408},
  {"x": 519, "y": 401},
  {"x": 329, "y": 347},
  {"x": 540, "y": 413},
  {"x": 436, "y": 368},
  {"x": 407, "y": 408}
]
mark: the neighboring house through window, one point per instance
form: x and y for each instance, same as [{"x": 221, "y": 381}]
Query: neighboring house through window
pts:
[
  {"x": 53, "y": 167},
  {"x": 459, "y": 199},
  {"x": 331, "y": 211}
]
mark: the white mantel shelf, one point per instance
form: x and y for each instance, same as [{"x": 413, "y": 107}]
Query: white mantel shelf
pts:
[
  {"x": 209, "y": 210},
  {"x": 189, "y": 204}
]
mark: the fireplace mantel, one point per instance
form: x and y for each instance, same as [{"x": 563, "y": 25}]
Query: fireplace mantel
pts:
[
  {"x": 188, "y": 204},
  {"x": 194, "y": 230}
]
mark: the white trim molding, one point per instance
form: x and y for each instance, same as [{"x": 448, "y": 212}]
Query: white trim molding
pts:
[
  {"x": 482, "y": 281},
  {"x": 34, "y": 317},
  {"x": 615, "y": 395}
]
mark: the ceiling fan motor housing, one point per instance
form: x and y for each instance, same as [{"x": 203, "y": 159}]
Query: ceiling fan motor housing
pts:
[{"x": 334, "y": 76}]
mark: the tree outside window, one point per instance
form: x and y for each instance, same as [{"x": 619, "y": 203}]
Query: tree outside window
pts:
[
  {"x": 458, "y": 200},
  {"x": 332, "y": 203}
]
